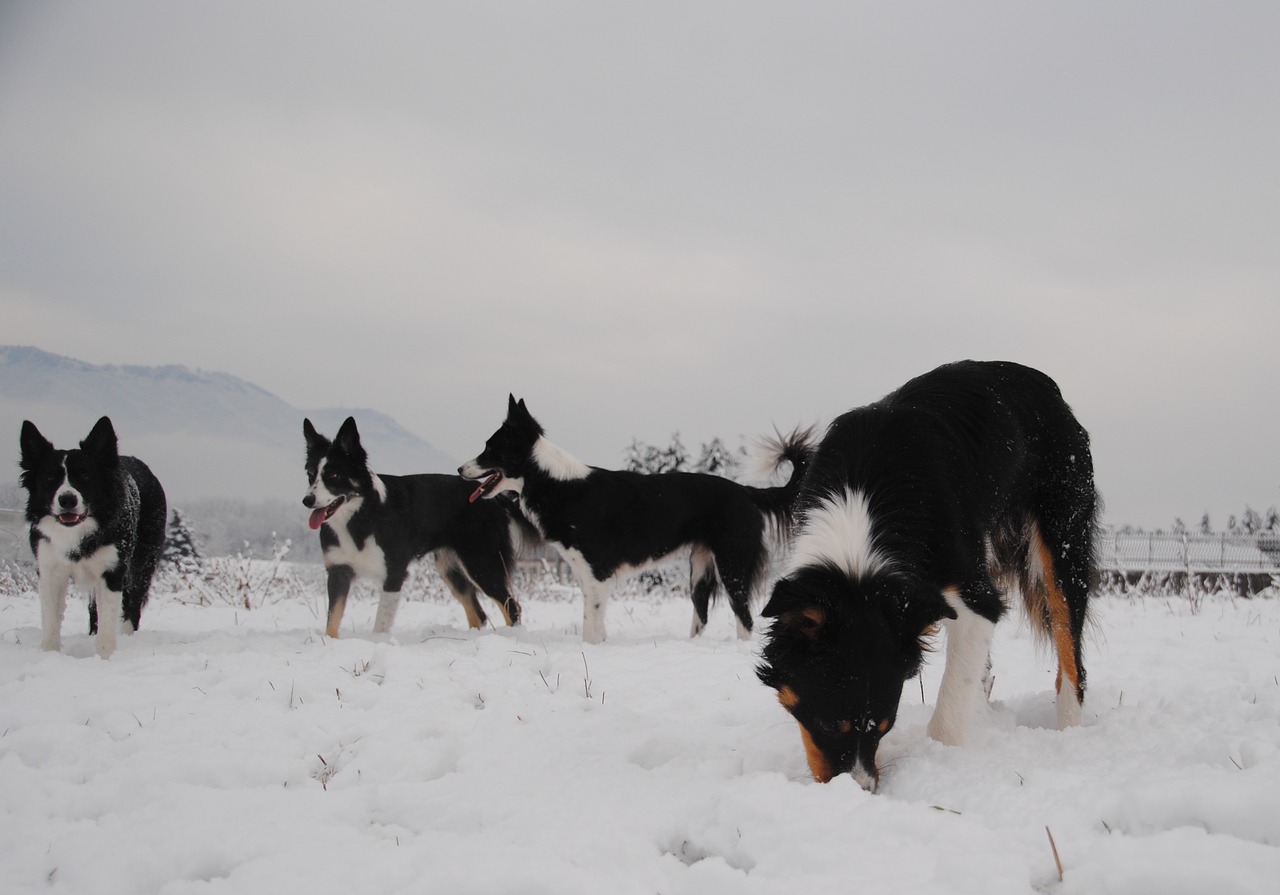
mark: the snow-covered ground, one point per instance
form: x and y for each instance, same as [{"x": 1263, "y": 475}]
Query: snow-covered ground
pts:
[{"x": 225, "y": 750}]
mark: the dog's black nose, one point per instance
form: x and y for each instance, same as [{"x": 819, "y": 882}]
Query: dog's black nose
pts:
[
  {"x": 67, "y": 500},
  {"x": 460, "y": 472},
  {"x": 309, "y": 501}
]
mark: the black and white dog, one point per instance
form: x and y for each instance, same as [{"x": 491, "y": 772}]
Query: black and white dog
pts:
[
  {"x": 374, "y": 525},
  {"x": 926, "y": 507},
  {"x": 608, "y": 524},
  {"x": 96, "y": 518}
]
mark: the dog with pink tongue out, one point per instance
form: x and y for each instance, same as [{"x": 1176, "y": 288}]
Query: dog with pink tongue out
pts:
[{"x": 373, "y": 526}]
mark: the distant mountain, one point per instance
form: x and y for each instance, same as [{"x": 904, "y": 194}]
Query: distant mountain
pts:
[{"x": 204, "y": 434}]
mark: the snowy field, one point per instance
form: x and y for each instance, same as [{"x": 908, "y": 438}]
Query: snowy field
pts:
[{"x": 225, "y": 750}]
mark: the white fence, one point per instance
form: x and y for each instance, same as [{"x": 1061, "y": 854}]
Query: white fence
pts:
[{"x": 1250, "y": 562}]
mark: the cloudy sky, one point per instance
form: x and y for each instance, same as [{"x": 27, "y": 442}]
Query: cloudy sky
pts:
[{"x": 710, "y": 218}]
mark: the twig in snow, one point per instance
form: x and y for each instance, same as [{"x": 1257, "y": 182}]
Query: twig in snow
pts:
[{"x": 1053, "y": 845}]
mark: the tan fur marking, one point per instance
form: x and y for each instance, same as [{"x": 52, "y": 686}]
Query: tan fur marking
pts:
[
  {"x": 883, "y": 726},
  {"x": 845, "y": 726},
  {"x": 335, "y": 618},
  {"x": 788, "y": 698},
  {"x": 815, "y": 615},
  {"x": 809, "y": 620},
  {"x": 1059, "y": 619},
  {"x": 469, "y": 607},
  {"x": 818, "y": 764}
]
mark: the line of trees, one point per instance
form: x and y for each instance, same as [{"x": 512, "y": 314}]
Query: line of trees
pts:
[
  {"x": 1248, "y": 522},
  {"x": 713, "y": 457}
]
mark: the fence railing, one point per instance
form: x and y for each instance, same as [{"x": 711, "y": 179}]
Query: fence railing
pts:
[
  {"x": 1187, "y": 552},
  {"x": 1244, "y": 563}
]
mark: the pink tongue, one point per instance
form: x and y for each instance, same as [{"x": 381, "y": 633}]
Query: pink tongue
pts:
[
  {"x": 317, "y": 518},
  {"x": 484, "y": 486}
]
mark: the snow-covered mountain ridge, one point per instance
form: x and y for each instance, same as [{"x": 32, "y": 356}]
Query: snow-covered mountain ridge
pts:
[{"x": 205, "y": 434}]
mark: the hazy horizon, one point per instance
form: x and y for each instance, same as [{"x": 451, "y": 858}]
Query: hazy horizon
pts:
[{"x": 713, "y": 219}]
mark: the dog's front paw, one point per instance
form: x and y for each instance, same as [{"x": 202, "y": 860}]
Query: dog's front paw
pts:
[{"x": 946, "y": 730}]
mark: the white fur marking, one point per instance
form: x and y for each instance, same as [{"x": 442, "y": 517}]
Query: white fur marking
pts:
[
  {"x": 55, "y": 505},
  {"x": 56, "y": 574},
  {"x": 557, "y": 463},
  {"x": 366, "y": 562},
  {"x": 961, "y": 692},
  {"x": 595, "y": 595},
  {"x": 388, "y": 603},
  {"x": 317, "y": 490},
  {"x": 1069, "y": 708},
  {"x": 840, "y": 532},
  {"x": 110, "y": 607}
]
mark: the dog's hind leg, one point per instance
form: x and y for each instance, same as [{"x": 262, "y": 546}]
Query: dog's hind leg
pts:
[
  {"x": 739, "y": 580},
  {"x": 489, "y": 570},
  {"x": 339, "y": 582},
  {"x": 462, "y": 587},
  {"x": 1062, "y": 576},
  {"x": 135, "y": 598},
  {"x": 702, "y": 586}
]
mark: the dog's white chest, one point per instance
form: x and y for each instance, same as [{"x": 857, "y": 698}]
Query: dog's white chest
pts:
[
  {"x": 54, "y": 555},
  {"x": 367, "y": 561}
]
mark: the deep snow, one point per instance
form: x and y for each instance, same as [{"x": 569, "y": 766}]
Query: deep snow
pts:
[{"x": 225, "y": 750}]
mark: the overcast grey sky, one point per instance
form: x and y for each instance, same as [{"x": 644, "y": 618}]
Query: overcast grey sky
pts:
[{"x": 643, "y": 218}]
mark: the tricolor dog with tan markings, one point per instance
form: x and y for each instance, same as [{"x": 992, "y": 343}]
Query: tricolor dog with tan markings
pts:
[{"x": 926, "y": 508}]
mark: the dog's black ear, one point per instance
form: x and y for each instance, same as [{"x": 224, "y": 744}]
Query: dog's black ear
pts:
[
  {"x": 348, "y": 435},
  {"x": 348, "y": 439},
  {"x": 317, "y": 444},
  {"x": 516, "y": 411},
  {"x": 35, "y": 447},
  {"x": 101, "y": 441},
  {"x": 922, "y": 609},
  {"x": 796, "y": 609}
]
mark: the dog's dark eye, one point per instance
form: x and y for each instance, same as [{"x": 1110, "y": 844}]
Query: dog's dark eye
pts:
[{"x": 834, "y": 728}]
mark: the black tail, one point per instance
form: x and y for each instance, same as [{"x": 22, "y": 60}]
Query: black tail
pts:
[{"x": 778, "y": 503}]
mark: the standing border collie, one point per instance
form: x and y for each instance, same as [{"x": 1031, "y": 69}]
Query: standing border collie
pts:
[
  {"x": 921, "y": 508},
  {"x": 373, "y": 526},
  {"x": 608, "y": 523},
  {"x": 96, "y": 518}
]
